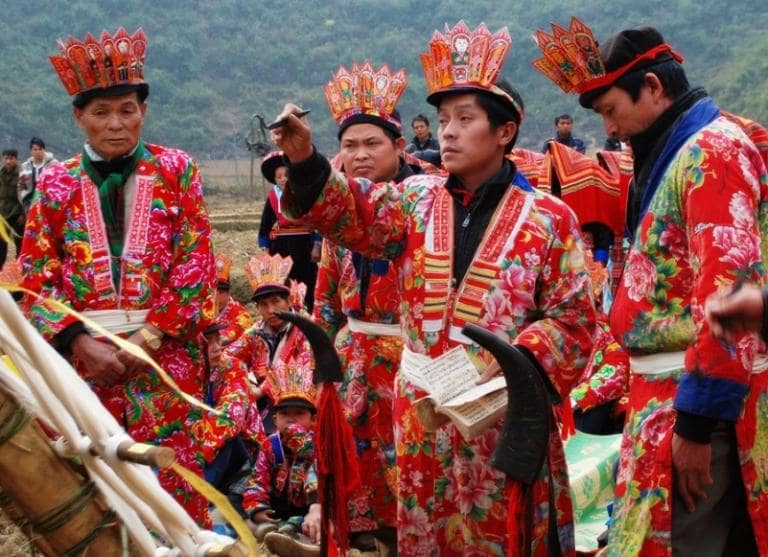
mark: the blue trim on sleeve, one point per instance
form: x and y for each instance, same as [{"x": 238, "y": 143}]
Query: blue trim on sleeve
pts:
[
  {"x": 264, "y": 242},
  {"x": 710, "y": 396}
]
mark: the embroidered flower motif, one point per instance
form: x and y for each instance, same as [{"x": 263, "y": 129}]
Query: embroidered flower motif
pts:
[
  {"x": 639, "y": 276},
  {"x": 673, "y": 239},
  {"x": 741, "y": 248},
  {"x": 742, "y": 211}
]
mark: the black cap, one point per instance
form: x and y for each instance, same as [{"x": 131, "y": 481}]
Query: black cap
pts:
[
  {"x": 395, "y": 128},
  {"x": 622, "y": 49},
  {"x": 82, "y": 99},
  {"x": 295, "y": 402}
]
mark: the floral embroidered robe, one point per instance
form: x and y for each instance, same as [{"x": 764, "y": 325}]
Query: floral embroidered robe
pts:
[
  {"x": 370, "y": 363},
  {"x": 236, "y": 319},
  {"x": 284, "y": 474},
  {"x": 228, "y": 392},
  {"x": 527, "y": 283},
  {"x": 706, "y": 226},
  {"x": 166, "y": 267},
  {"x": 606, "y": 378}
]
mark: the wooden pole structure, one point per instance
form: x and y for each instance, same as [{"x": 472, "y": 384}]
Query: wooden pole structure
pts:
[{"x": 64, "y": 512}]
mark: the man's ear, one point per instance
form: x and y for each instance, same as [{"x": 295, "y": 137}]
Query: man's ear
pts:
[
  {"x": 77, "y": 113},
  {"x": 507, "y": 132},
  {"x": 654, "y": 85}
]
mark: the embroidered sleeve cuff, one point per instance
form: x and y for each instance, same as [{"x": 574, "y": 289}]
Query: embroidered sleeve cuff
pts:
[
  {"x": 711, "y": 397},
  {"x": 695, "y": 428},
  {"x": 306, "y": 181},
  {"x": 63, "y": 339},
  {"x": 264, "y": 242}
]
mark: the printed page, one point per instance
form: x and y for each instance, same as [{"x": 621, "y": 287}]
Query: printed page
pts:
[
  {"x": 476, "y": 410},
  {"x": 450, "y": 375},
  {"x": 476, "y": 392}
]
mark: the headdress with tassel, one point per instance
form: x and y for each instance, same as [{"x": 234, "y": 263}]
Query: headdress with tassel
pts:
[
  {"x": 223, "y": 269},
  {"x": 575, "y": 63}
]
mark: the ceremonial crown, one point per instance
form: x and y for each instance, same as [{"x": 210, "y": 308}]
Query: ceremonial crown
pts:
[
  {"x": 223, "y": 268},
  {"x": 461, "y": 59},
  {"x": 573, "y": 61},
  {"x": 292, "y": 385},
  {"x": 267, "y": 274},
  {"x": 91, "y": 64},
  {"x": 364, "y": 91}
]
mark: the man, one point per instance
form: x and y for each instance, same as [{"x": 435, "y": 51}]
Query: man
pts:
[
  {"x": 38, "y": 161},
  {"x": 423, "y": 146},
  {"x": 121, "y": 234},
  {"x": 10, "y": 208},
  {"x": 233, "y": 316},
  {"x": 481, "y": 246},
  {"x": 564, "y": 135},
  {"x": 691, "y": 479},
  {"x": 356, "y": 303}
]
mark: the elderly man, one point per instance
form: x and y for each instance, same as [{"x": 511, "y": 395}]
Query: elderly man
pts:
[
  {"x": 480, "y": 246},
  {"x": 120, "y": 233},
  {"x": 692, "y": 479}
]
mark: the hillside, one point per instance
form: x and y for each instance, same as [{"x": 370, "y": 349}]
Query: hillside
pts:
[{"x": 212, "y": 65}]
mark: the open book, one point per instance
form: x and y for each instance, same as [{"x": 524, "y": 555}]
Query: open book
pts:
[{"x": 450, "y": 381}]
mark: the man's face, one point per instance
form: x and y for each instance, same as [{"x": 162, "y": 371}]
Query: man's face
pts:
[
  {"x": 368, "y": 152},
  {"x": 112, "y": 125},
  {"x": 468, "y": 145},
  {"x": 420, "y": 129},
  {"x": 564, "y": 127},
  {"x": 623, "y": 118},
  {"x": 38, "y": 153},
  {"x": 214, "y": 349},
  {"x": 222, "y": 297},
  {"x": 291, "y": 415},
  {"x": 281, "y": 176},
  {"x": 269, "y": 305},
  {"x": 9, "y": 162}
]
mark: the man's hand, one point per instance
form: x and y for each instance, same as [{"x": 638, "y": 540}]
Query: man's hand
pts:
[
  {"x": 490, "y": 372},
  {"x": 133, "y": 364},
  {"x": 267, "y": 515},
  {"x": 691, "y": 462},
  {"x": 311, "y": 524},
  {"x": 99, "y": 358},
  {"x": 294, "y": 137},
  {"x": 734, "y": 313}
]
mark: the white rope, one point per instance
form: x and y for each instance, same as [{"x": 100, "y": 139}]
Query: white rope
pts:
[{"x": 54, "y": 391}]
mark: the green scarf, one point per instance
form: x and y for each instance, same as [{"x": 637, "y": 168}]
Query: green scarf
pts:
[{"x": 110, "y": 186}]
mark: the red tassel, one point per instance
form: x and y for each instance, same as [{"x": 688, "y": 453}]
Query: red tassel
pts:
[
  {"x": 564, "y": 413},
  {"x": 337, "y": 468},
  {"x": 518, "y": 522}
]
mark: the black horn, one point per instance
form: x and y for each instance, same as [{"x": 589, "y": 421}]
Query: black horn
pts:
[
  {"x": 524, "y": 439},
  {"x": 327, "y": 364}
]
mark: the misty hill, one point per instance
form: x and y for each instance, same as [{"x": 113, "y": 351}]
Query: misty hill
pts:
[{"x": 212, "y": 65}]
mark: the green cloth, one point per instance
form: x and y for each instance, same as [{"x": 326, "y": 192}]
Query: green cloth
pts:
[
  {"x": 111, "y": 197},
  {"x": 590, "y": 470}
]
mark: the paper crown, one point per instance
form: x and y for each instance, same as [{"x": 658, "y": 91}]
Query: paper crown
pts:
[
  {"x": 298, "y": 291},
  {"x": 363, "y": 90},
  {"x": 91, "y": 64},
  {"x": 462, "y": 59},
  {"x": 572, "y": 59},
  {"x": 292, "y": 385},
  {"x": 223, "y": 268},
  {"x": 267, "y": 273}
]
